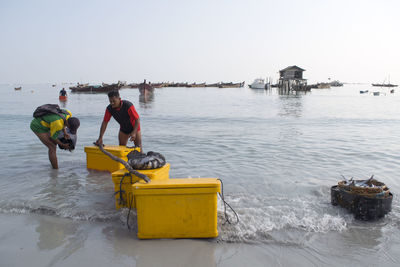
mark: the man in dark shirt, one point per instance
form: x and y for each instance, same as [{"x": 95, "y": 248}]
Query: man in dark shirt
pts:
[
  {"x": 63, "y": 92},
  {"x": 125, "y": 114}
]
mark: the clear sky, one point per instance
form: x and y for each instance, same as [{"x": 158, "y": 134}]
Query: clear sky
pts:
[{"x": 198, "y": 41}]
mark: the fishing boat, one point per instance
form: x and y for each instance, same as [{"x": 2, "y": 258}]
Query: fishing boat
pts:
[
  {"x": 145, "y": 88},
  {"x": 363, "y": 91},
  {"x": 104, "y": 88},
  {"x": 17, "y": 88},
  {"x": 385, "y": 84},
  {"x": 231, "y": 85},
  {"x": 258, "y": 83},
  {"x": 336, "y": 83},
  {"x": 212, "y": 85},
  {"x": 323, "y": 85},
  {"x": 366, "y": 199}
]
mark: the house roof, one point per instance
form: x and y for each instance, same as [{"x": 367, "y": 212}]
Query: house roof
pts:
[{"x": 294, "y": 67}]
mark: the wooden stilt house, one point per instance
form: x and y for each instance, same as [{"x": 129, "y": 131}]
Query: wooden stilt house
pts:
[{"x": 291, "y": 78}]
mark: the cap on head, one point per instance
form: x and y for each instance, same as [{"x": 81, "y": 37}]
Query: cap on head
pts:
[{"x": 73, "y": 124}]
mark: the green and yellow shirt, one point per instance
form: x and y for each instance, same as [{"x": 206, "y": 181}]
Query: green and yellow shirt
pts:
[{"x": 52, "y": 122}]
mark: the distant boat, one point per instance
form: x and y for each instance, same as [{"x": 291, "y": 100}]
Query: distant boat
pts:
[
  {"x": 384, "y": 85},
  {"x": 392, "y": 91},
  {"x": 17, "y": 88},
  {"x": 258, "y": 83},
  {"x": 145, "y": 88},
  {"x": 104, "y": 88},
  {"x": 231, "y": 85},
  {"x": 376, "y": 93},
  {"x": 336, "y": 84},
  {"x": 54, "y": 85},
  {"x": 363, "y": 92},
  {"x": 323, "y": 85}
]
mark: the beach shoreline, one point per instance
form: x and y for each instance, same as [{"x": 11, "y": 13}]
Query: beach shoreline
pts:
[{"x": 42, "y": 240}]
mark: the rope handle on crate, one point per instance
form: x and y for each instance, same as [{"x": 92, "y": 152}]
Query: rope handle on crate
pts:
[
  {"x": 123, "y": 162},
  {"x": 221, "y": 195},
  {"x": 120, "y": 191}
]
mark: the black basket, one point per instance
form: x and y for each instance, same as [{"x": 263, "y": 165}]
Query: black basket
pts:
[{"x": 364, "y": 208}]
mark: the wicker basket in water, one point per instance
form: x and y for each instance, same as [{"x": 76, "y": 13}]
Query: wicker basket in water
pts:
[{"x": 379, "y": 189}]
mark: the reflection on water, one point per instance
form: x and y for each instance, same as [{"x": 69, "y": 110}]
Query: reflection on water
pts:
[
  {"x": 146, "y": 99},
  {"x": 63, "y": 104},
  {"x": 290, "y": 106},
  {"x": 291, "y": 92},
  {"x": 53, "y": 233},
  {"x": 188, "y": 252}
]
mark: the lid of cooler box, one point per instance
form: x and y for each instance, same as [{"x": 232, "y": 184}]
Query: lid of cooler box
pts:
[
  {"x": 175, "y": 183},
  {"x": 123, "y": 150}
]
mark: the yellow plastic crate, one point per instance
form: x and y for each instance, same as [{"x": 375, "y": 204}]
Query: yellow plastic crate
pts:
[
  {"x": 125, "y": 198},
  {"x": 177, "y": 208},
  {"x": 97, "y": 160}
]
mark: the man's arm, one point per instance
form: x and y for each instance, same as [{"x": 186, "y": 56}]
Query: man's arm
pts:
[
  {"x": 103, "y": 127},
  {"x": 135, "y": 128},
  {"x": 102, "y": 131},
  {"x": 58, "y": 142}
]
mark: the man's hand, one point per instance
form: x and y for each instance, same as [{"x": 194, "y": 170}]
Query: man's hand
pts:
[
  {"x": 133, "y": 137},
  {"x": 99, "y": 142},
  {"x": 65, "y": 146},
  {"x": 66, "y": 135}
]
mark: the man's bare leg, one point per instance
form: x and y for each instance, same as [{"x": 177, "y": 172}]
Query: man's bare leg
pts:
[
  {"x": 138, "y": 141},
  {"x": 123, "y": 138},
  {"x": 45, "y": 138}
]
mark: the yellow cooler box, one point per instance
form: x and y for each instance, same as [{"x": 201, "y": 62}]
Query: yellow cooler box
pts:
[
  {"x": 177, "y": 208},
  {"x": 97, "y": 160},
  {"x": 123, "y": 190}
]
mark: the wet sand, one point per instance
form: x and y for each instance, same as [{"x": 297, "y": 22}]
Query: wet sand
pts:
[{"x": 41, "y": 240}]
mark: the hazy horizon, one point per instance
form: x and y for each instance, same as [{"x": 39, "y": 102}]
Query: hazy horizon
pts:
[{"x": 207, "y": 41}]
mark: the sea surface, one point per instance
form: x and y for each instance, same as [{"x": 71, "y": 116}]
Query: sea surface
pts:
[{"x": 277, "y": 155}]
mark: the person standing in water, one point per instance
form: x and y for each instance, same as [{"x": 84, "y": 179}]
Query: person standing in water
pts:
[
  {"x": 50, "y": 127},
  {"x": 63, "y": 92},
  {"x": 125, "y": 114}
]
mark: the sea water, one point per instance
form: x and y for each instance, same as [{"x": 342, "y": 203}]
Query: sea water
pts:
[{"x": 277, "y": 155}]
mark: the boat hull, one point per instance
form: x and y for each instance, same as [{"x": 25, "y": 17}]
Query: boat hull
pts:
[{"x": 257, "y": 86}]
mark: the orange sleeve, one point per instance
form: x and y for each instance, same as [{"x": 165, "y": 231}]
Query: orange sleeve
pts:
[
  {"x": 133, "y": 115},
  {"x": 107, "y": 116}
]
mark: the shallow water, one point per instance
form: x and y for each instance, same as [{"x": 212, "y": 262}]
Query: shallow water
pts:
[{"x": 278, "y": 156}]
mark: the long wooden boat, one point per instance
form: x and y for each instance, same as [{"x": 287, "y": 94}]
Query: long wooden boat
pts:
[
  {"x": 323, "y": 85},
  {"x": 95, "y": 88},
  {"x": 17, "y": 88},
  {"x": 384, "y": 85},
  {"x": 145, "y": 88},
  {"x": 231, "y": 85}
]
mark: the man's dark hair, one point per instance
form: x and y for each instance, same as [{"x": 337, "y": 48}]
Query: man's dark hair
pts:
[{"x": 113, "y": 94}]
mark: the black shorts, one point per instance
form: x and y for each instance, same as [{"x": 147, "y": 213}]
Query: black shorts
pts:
[{"x": 126, "y": 130}]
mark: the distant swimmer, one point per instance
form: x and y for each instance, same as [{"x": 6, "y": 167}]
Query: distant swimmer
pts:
[
  {"x": 125, "y": 114},
  {"x": 53, "y": 127}
]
